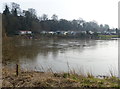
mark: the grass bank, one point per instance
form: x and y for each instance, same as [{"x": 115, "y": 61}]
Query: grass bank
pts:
[
  {"x": 48, "y": 79},
  {"x": 107, "y": 36}
]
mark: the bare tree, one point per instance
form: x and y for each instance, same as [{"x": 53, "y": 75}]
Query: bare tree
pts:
[
  {"x": 44, "y": 17},
  {"x": 32, "y": 12},
  {"x": 54, "y": 17}
]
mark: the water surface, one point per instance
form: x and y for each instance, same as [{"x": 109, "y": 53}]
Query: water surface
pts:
[{"x": 60, "y": 55}]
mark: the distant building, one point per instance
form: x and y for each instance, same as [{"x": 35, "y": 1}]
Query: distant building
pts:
[
  {"x": 113, "y": 32},
  {"x": 25, "y": 32},
  {"x": 65, "y": 33},
  {"x": 110, "y": 32},
  {"x": 51, "y": 32},
  {"x": 83, "y": 32},
  {"x": 43, "y": 32},
  {"x": 99, "y": 32},
  {"x": 91, "y": 32}
]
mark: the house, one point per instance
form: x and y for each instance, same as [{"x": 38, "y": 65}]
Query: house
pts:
[
  {"x": 25, "y": 32},
  {"x": 113, "y": 32},
  {"x": 99, "y": 32},
  {"x": 43, "y": 32},
  {"x": 51, "y": 32},
  {"x": 83, "y": 32},
  {"x": 65, "y": 33},
  {"x": 110, "y": 32},
  {"x": 91, "y": 32}
]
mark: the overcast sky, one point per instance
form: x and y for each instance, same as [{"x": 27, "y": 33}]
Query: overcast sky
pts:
[{"x": 102, "y": 11}]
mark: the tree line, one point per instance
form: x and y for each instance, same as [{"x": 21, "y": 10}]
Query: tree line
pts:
[{"x": 15, "y": 20}]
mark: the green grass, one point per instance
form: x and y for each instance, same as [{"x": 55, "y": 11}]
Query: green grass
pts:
[{"x": 107, "y": 36}]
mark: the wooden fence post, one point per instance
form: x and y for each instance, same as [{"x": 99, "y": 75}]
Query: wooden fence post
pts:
[{"x": 17, "y": 69}]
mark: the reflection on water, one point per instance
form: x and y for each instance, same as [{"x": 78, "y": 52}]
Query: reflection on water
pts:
[{"x": 96, "y": 56}]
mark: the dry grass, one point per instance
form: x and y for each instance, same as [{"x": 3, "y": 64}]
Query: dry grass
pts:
[{"x": 48, "y": 79}]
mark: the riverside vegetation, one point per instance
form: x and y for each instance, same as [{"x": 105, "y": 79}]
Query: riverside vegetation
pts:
[{"x": 50, "y": 79}]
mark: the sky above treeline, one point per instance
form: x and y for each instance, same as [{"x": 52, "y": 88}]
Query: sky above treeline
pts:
[{"x": 102, "y": 11}]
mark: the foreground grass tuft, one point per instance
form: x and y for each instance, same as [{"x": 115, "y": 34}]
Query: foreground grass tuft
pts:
[{"x": 47, "y": 79}]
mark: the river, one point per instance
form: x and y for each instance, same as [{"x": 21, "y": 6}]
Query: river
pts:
[{"x": 98, "y": 57}]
